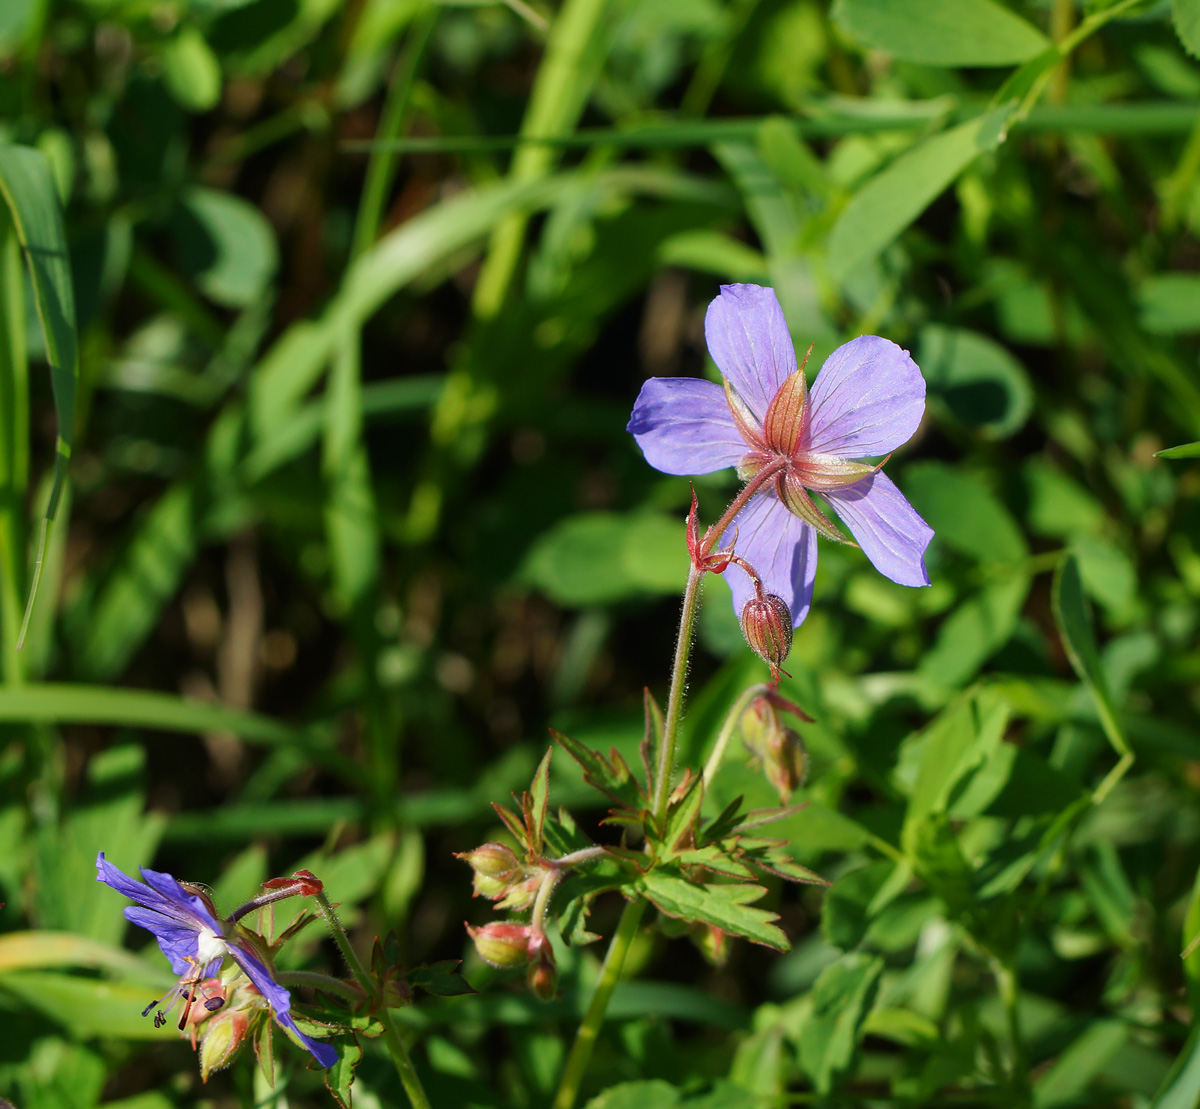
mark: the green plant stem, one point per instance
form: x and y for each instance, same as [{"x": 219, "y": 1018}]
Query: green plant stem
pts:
[
  {"x": 391, "y": 1034},
  {"x": 318, "y": 982},
  {"x": 683, "y": 649},
  {"x": 727, "y": 729},
  {"x": 1010, "y": 995},
  {"x": 593, "y": 1019},
  {"x": 14, "y": 448}
]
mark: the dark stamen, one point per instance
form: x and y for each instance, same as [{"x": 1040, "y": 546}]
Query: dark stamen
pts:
[
  {"x": 146, "y": 1010},
  {"x": 214, "y": 1003},
  {"x": 159, "y": 1019},
  {"x": 187, "y": 1006}
]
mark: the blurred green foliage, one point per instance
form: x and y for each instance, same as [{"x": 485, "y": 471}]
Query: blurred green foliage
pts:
[{"x": 362, "y": 294}]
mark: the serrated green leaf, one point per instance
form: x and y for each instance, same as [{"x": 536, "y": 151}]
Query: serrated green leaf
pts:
[
  {"x": 611, "y": 776},
  {"x": 340, "y": 1077},
  {"x": 440, "y": 979},
  {"x": 724, "y": 905}
]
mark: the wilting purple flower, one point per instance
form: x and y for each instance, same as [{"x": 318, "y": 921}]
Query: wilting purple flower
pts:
[
  {"x": 867, "y": 400},
  {"x": 195, "y": 943}
]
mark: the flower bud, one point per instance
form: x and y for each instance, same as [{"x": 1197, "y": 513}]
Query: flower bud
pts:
[
  {"x": 495, "y": 868},
  {"x": 502, "y": 943},
  {"x": 786, "y": 762},
  {"x": 767, "y": 626},
  {"x": 542, "y": 977},
  {"x": 223, "y": 1036},
  {"x": 780, "y": 749}
]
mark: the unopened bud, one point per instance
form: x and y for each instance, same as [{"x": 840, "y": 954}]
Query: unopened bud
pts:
[
  {"x": 542, "y": 977},
  {"x": 495, "y": 868},
  {"x": 780, "y": 749},
  {"x": 223, "y": 1036},
  {"x": 713, "y": 943},
  {"x": 502, "y": 944},
  {"x": 786, "y": 762},
  {"x": 767, "y": 626}
]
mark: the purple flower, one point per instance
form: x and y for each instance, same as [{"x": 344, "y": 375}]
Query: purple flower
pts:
[
  {"x": 195, "y": 943},
  {"x": 867, "y": 400}
]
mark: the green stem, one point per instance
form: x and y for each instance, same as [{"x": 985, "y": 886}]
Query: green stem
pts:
[
  {"x": 683, "y": 649},
  {"x": 727, "y": 729},
  {"x": 317, "y": 981},
  {"x": 14, "y": 448},
  {"x": 391, "y": 1034},
  {"x": 1010, "y": 995},
  {"x": 589, "y": 1028}
]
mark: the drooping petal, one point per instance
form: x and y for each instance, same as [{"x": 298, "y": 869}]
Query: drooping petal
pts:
[
  {"x": 749, "y": 340},
  {"x": 280, "y": 1001},
  {"x": 867, "y": 400},
  {"x": 684, "y": 426},
  {"x": 887, "y": 527},
  {"x": 781, "y": 547}
]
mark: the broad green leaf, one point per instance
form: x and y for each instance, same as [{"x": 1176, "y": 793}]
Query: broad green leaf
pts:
[
  {"x": 601, "y": 557},
  {"x": 894, "y": 198},
  {"x": 933, "y": 762},
  {"x": 1067, "y": 1080},
  {"x": 1185, "y": 450},
  {"x": 842, "y": 997},
  {"x": 978, "y": 381},
  {"x": 191, "y": 70},
  {"x": 1058, "y": 504},
  {"x": 1181, "y": 1087},
  {"x": 653, "y": 1094},
  {"x": 28, "y": 187},
  {"x": 1185, "y": 14},
  {"x": 89, "y": 1006},
  {"x": 857, "y": 897},
  {"x": 964, "y": 512},
  {"x": 110, "y": 816},
  {"x": 65, "y": 703},
  {"x": 1169, "y": 303},
  {"x": 42, "y": 949},
  {"x": 146, "y": 575},
  {"x": 725, "y": 905},
  {"x": 1075, "y": 627},
  {"x": 942, "y": 32},
  {"x": 974, "y": 631},
  {"x": 226, "y": 244}
]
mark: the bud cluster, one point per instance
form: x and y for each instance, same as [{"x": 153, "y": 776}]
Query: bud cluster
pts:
[{"x": 501, "y": 877}]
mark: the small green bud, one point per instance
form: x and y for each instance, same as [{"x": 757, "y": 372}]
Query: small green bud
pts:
[
  {"x": 224, "y": 1035},
  {"x": 502, "y": 943}
]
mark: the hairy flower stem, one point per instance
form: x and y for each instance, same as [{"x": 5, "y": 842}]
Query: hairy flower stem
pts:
[
  {"x": 316, "y": 981},
  {"x": 589, "y": 1028},
  {"x": 727, "y": 729},
  {"x": 391, "y": 1034},
  {"x": 683, "y": 649}
]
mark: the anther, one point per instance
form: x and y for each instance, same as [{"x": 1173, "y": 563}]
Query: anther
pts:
[{"x": 146, "y": 1010}]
